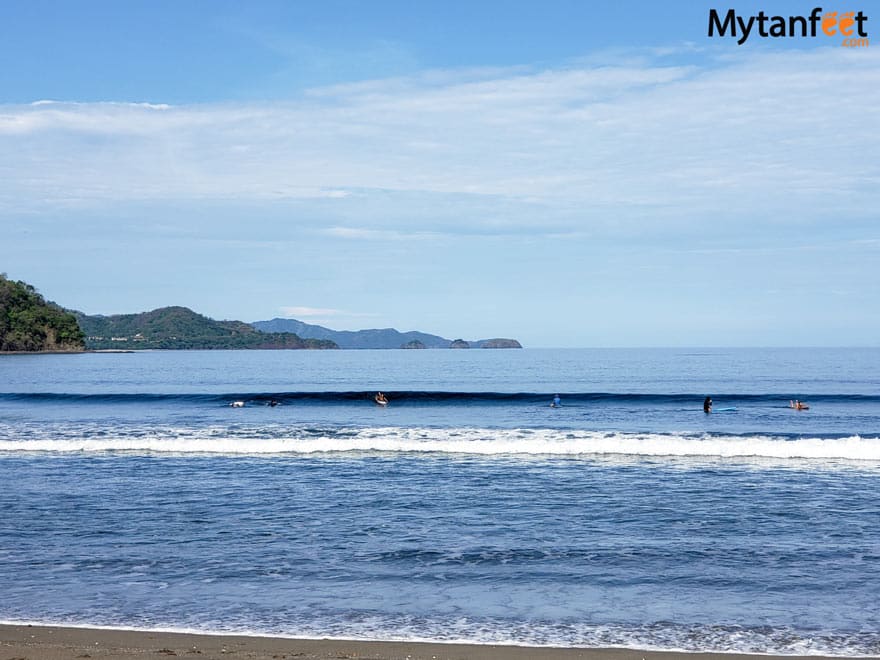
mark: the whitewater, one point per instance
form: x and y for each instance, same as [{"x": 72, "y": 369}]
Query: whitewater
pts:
[{"x": 478, "y": 441}]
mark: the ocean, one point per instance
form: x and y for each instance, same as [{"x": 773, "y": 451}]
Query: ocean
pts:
[{"x": 134, "y": 495}]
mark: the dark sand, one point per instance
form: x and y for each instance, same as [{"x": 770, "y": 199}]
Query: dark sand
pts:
[{"x": 21, "y": 642}]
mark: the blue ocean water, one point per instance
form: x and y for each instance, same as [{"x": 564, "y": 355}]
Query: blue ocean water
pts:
[{"x": 468, "y": 509}]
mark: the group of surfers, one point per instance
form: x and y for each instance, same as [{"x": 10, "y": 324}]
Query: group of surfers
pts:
[
  {"x": 796, "y": 404},
  {"x": 382, "y": 400}
]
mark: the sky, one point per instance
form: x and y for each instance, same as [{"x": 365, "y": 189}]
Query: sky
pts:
[{"x": 565, "y": 173}]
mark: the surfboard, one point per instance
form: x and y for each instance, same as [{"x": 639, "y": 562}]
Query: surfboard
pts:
[{"x": 728, "y": 409}]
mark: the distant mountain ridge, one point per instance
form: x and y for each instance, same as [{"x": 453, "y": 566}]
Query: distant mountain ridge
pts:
[
  {"x": 182, "y": 328},
  {"x": 377, "y": 337}
]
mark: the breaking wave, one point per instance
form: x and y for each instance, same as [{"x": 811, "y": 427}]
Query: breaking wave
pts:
[{"x": 470, "y": 441}]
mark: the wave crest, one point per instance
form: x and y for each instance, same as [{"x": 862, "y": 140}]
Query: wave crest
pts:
[{"x": 467, "y": 441}]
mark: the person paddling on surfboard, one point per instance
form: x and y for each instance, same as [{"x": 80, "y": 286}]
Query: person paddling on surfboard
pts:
[
  {"x": 707, "y": 404},
  {"x": 381, "y": 399}
]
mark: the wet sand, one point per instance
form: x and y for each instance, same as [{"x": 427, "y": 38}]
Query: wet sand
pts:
[{"x": 21, "y": 642}]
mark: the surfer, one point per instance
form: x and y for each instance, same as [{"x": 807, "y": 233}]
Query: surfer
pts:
[
  {"x": 798, "y": 405},
  {"x": 236, "y": 404},
  {"x": 272, "y": 403},
  {"x": 556, "y": 401},
  {"x": 707, "y": 404},
  {"x": 381, "y": 399}
]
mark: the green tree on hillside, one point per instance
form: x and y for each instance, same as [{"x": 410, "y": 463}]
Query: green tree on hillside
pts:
[{"x": 29, "y": 323}]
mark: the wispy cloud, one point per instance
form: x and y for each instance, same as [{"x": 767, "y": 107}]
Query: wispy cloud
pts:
[
  {"x": 308, "y": 312},
  {"x": 338, "y": 319},
  {"x": 759, "y": 138},
  {"x": 356, "y": 233}
]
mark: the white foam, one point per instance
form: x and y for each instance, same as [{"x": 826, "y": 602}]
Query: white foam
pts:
[
  {"x": 675, "y": 639},
  {"x": 472, "y": 441}
]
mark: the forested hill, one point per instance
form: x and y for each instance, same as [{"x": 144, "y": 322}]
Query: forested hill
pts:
[
  {"x": 182, "y": 328},
  {"x": 29, "y": 323},
  {"x": 378, "y": 337}
]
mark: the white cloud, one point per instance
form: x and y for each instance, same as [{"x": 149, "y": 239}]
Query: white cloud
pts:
[
  {"x": 356, "y": 233},
  {"x": 307, "y": 312},
  {"x": 784, "y": 137}
]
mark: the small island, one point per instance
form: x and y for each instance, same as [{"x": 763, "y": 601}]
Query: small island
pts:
[
  {"x": 30, "y": 324},
  {"x": 500, "y": 343}
]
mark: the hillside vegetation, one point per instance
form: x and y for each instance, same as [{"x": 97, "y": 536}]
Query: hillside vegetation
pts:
[
  {"x": 29, "y": 323},
  {"x": 182, "y": 328},
  {"x": 378, "y": 337}
]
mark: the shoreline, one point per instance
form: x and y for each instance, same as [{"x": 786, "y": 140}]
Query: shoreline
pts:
[
  {"x": 39, "y": 642},
  {"x": 65, "y": 352}
]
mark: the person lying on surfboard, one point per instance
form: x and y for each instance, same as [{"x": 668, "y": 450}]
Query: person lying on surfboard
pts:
[
  {"x": 798, "y": 405},
  {"x": 381, "y": 399}
]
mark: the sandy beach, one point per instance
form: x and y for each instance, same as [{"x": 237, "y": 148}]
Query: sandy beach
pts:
[{"x": 24, "y": 642}]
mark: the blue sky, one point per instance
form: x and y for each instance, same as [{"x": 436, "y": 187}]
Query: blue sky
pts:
[{"x": 565, "y": 173}]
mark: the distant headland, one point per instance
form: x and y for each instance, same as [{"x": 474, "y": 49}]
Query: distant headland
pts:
[
  {"x": 28, "y": 323},
  {"x": 176, "y": 328},
  {"x": 378, "y": 338},
  {"x": 181, "y": 328}
]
